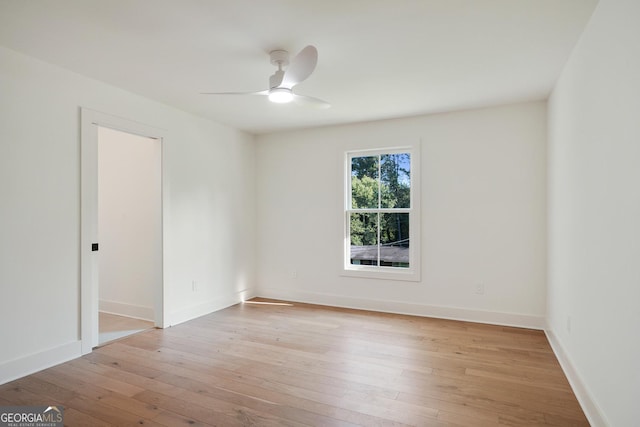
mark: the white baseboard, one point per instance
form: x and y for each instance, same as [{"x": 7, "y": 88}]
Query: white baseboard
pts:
[
  {"x": 183, "y": 315},
  {"x": 591, "y": 409},
  {"x": 397, "y": 307},
  {"x": 27, "y": 365},
  {"x": 129, "y": 310}
]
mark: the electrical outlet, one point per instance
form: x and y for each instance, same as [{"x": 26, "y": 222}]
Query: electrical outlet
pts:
[
  {"x": 194, "y": 286},
  {"x": 294, "y": 274},
  {"x": 480, "y": 289}
]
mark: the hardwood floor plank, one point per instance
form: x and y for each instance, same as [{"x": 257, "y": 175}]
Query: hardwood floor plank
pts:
[
  {"x": 19, "y": 395},
  {"x": 171, "y": 419},
  {"x": 73, "y": 417},
  {"x": 46, "y": 389},
  {"x": 295, "y": 364},
  {"x": 4, "y": 402},
  {"x": 491, "y": 398},
  {"x": 72, "y": 383},
  {"x": 133, "y": 406},
  {"x": 107, "y": 413},
  {"x": 209, "y": 415},
  {"x": 75, "y": 369}
]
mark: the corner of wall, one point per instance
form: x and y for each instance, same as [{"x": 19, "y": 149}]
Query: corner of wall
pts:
[
  {"x": 189, "y": 313},
  {"x": 591, "y": 409}
]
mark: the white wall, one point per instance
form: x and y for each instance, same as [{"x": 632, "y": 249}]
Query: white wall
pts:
[
  {"x": 483, "y": 215},
  {"x": 208, "y": 211},
  {"x": 129, "y": 223},
  {"x": 594, "y": 215}
]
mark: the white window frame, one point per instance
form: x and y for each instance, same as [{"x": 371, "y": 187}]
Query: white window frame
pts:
[{"x": 412, "y": 273}]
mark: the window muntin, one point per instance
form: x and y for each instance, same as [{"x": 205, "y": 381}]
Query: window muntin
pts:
[{"x": 379, "y": 211}]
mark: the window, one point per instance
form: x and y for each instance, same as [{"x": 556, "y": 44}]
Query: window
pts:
[{"x": 381, "y": 214}]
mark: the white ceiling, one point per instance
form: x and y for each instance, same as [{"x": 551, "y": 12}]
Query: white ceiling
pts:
[{"x": 377, "y": 58}]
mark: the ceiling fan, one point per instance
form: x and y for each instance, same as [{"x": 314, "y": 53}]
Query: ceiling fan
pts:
[{"x": 281, "y": 83}]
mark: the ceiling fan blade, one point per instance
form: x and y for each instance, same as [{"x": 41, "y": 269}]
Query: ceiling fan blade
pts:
[
  {"x": 262, "y": 92},
  {"x": 311, "y": 101},
  {"x": 301, "y": 67}
]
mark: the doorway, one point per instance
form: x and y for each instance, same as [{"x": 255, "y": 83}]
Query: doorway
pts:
[
  {"x": 121, "y": 228},
  {"x": 129, "y": 232}
]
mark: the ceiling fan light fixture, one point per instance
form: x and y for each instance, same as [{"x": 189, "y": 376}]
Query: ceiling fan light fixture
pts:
[
  {"x": 282, "y": 82},
  {"x": 280, "y": 95}
]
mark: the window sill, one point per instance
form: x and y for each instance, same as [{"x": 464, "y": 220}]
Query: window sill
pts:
[{"x": 383, "y": 273}]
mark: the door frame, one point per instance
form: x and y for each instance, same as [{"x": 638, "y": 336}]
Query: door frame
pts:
[{"x": 90, "y": 120}]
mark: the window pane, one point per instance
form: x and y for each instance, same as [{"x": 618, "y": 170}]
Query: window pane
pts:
[
  {"x": 395, "y": 179},
  {"x": 364, "y": 182},
  {"x": 364, "y": 238},
  {"x": 394, "y": 239}
]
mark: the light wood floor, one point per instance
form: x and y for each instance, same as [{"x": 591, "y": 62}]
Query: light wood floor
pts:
[
  {"x": 291, "y": 365},
  {"x": 113, "y": 326}
]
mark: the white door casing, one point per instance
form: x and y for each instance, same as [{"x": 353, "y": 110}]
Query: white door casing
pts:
[{"x": 90, "y": 121}]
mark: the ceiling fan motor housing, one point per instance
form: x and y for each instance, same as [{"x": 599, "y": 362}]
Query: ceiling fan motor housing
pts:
[{"x": 279, "y": 57}]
